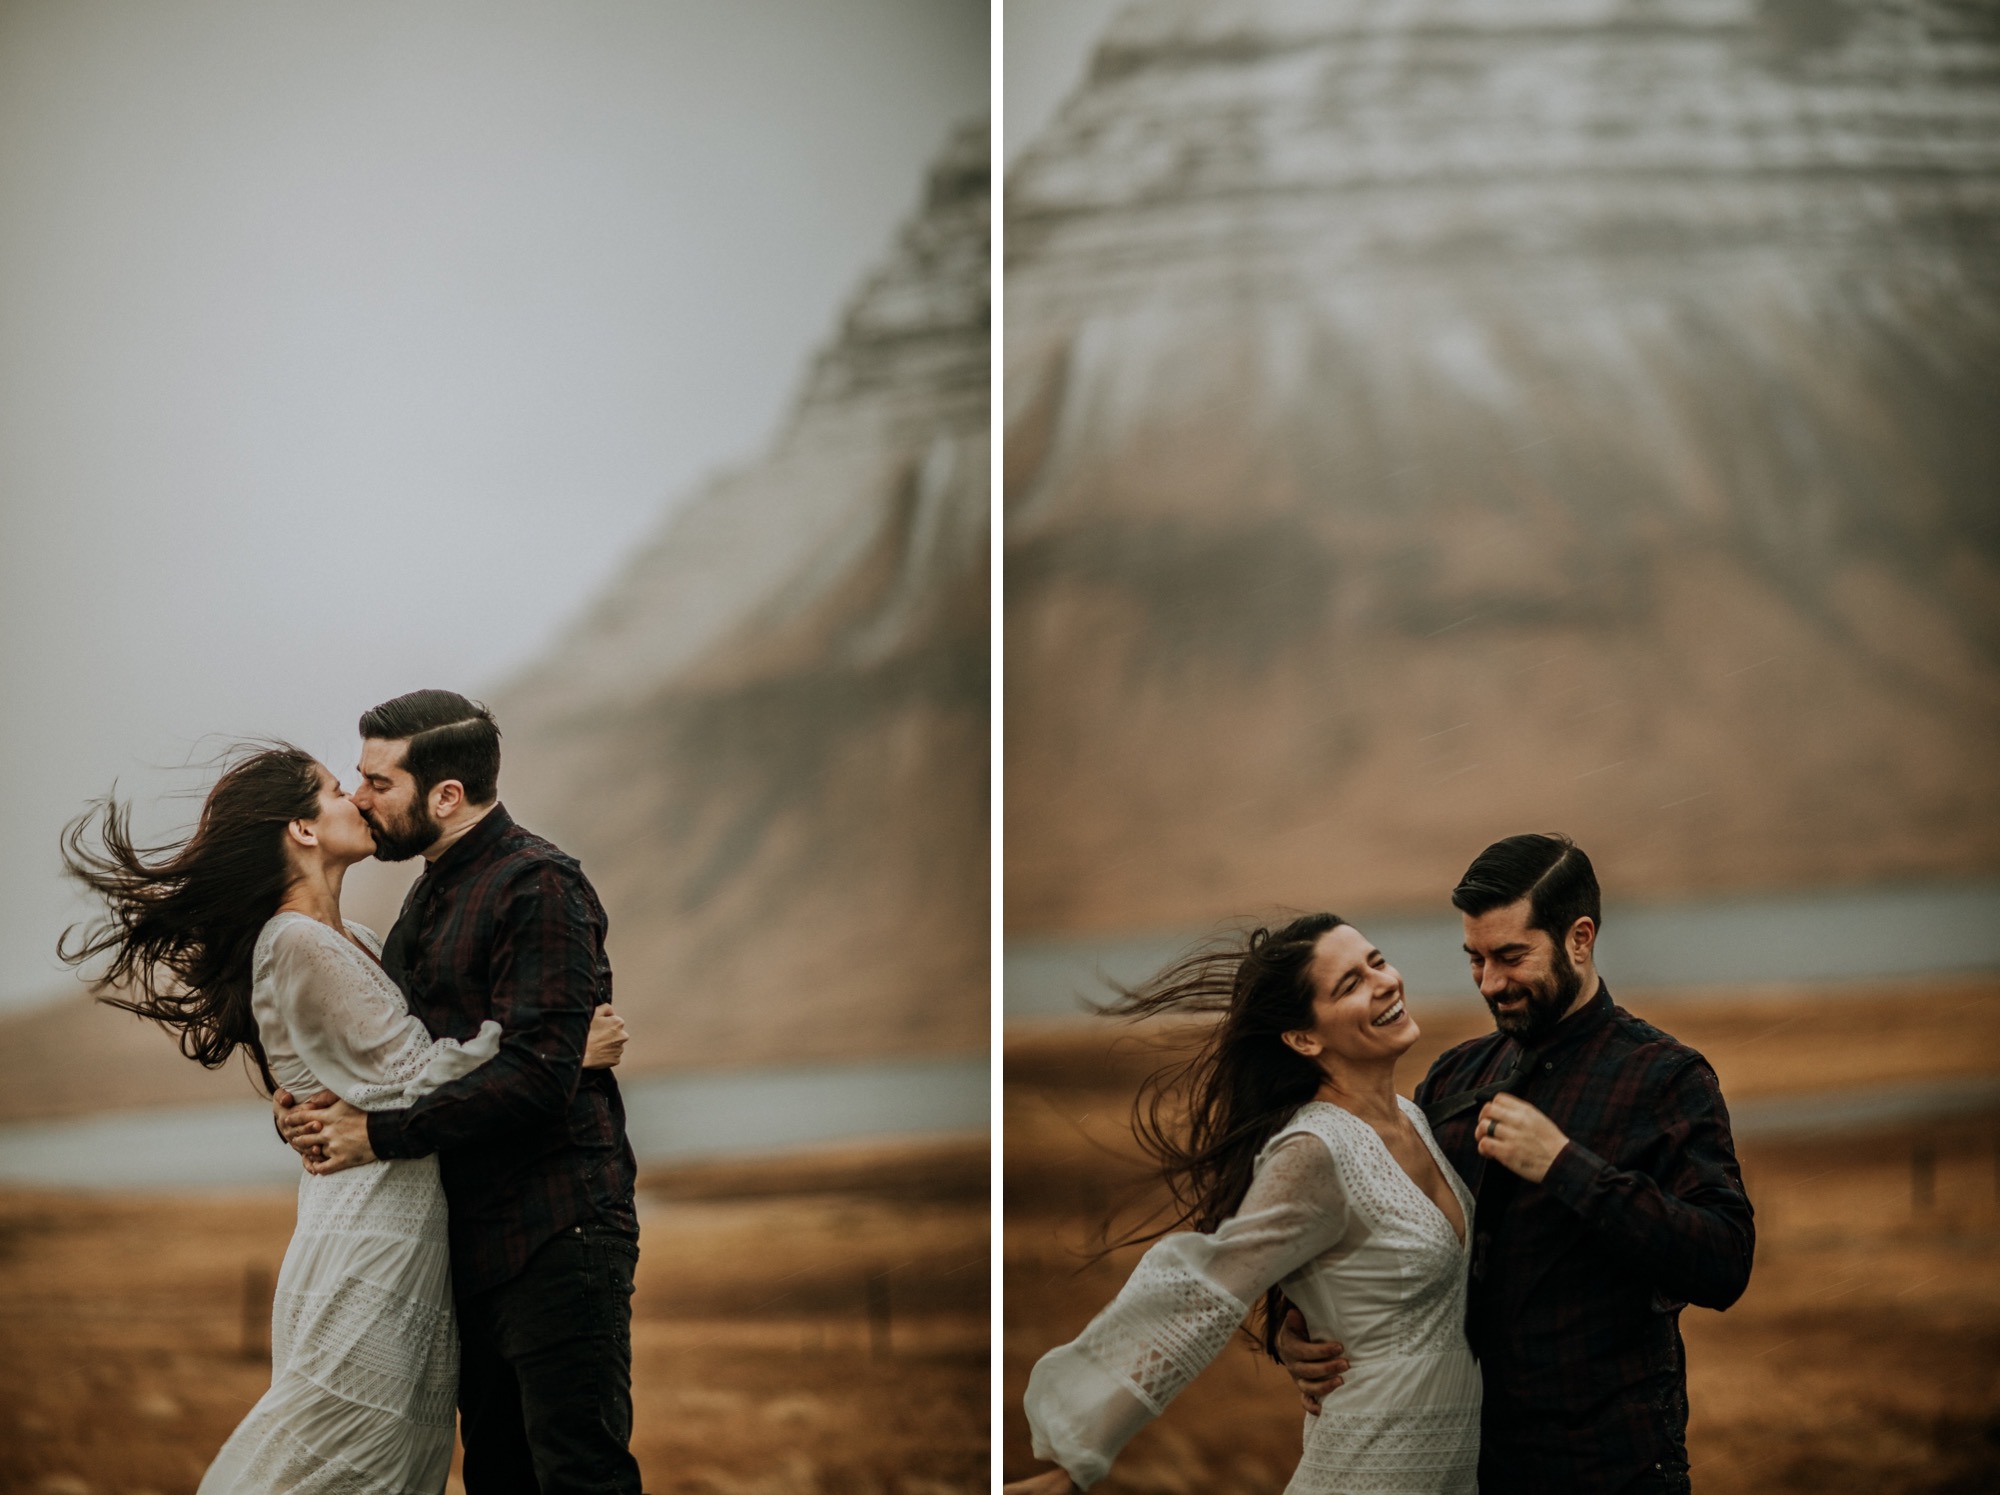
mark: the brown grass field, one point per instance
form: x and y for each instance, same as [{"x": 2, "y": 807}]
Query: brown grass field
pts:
[
  {"x": 1865, "y": 1356},
  {"x": 764, "y": 1361}
]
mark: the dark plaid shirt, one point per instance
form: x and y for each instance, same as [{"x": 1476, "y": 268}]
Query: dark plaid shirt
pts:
[
  {"x": 530, "y": 1144},
  {"x": 1578, "y": 1281}
]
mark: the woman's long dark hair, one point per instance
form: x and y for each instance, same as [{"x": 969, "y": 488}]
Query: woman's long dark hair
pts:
[
  {"x": 1204, "y": 1119},
  {"x": 181, "y": 920}
]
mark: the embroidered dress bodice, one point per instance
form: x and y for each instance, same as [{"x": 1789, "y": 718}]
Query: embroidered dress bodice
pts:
[
  {"x": 1370, "y": 1260},
  {"x": 364, "y": 1349}
]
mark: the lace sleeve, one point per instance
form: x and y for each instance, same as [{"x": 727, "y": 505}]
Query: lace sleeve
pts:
[
  {"x": 1184, "y": 1300},
  {"x": 354, "y": 1033}
]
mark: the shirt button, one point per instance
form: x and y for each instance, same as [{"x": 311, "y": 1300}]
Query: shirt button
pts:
[{"x": 1551, "y": 1064}]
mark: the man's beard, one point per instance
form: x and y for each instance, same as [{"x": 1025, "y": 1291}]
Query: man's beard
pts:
[
  {"x": 410, "y": 837},
  {"x": 1546, "y": 1004}
]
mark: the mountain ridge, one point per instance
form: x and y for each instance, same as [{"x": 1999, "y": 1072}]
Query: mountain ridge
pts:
[{"x": 1435, "y": 420}]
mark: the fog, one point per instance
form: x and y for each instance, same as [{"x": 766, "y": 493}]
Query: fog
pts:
[{"x": 346, "y": 350}]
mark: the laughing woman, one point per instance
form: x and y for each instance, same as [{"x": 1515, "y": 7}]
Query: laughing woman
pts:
[
  {"x": 234, "y": 939},
  {"x": 1298, "y": 1173}
]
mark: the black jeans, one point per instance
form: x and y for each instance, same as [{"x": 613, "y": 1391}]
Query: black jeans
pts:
[
  {"x": 545, "y": 1373},
  {"x": 1669, "y": 1478}
]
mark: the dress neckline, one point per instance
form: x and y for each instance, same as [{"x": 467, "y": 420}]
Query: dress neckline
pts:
[
  {"x": 345, "y": 935},
  {"x": 1461, "y": 1242}
]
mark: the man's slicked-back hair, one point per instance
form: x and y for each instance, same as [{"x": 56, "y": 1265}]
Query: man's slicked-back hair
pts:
[
  {"x": 449, "y": 737},
  {"x": 1550, "y": 871}
]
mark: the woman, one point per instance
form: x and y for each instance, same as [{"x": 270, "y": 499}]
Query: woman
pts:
[
  {"x": 1304, "y": 1176},
  {"x": 235, "y": 939}
]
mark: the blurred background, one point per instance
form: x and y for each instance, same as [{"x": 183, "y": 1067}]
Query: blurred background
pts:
[
  {"x": 624, "y": 366},
  {"x": 1436, "y": 421}
]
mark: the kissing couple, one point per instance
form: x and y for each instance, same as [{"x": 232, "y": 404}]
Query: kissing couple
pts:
[
  {"x": 466, "y": 1228},
  {"x": 1479, "y": 1289}
]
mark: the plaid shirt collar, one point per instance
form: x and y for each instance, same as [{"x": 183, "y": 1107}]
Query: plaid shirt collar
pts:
[
  {"x": 1573, "y": 1029},
  {"x": 468, "y": 848}
]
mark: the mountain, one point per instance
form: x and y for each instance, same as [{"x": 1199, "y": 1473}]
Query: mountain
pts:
[
  {"x": 767, "y": 742},
  {"x": 1433, "y": 420}
]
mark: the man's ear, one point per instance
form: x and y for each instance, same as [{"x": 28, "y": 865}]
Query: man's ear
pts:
[
  {"x": 1582, "y": 940},
  {"x": 1304, "y": 1041},
  {"x": 446, "y": 797}
]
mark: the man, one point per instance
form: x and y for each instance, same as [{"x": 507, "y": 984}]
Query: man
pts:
[
  {"x": 537, "y": 1171},
  {"x": 1608, "y": 1195}
]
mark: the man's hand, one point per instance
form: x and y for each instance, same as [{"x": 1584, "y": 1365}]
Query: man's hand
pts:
[
  {"x": 1518, "y": 1137},
  {"x": 606, "y": 1044},
  {"x": 1048, "y": 1482},
  {"x": 1318, "y": 1366},
  {"x": 343, "y": 1140},
  {"x": 299, "y": 1120}
]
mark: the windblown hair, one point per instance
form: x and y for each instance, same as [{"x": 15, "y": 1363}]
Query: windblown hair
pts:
[
  {"x": 1550, "y": 871},
  {"x": 449, "y": 737},
  {"x": 181, "y": 921},
  {"x": 1204, "y": 1119}
]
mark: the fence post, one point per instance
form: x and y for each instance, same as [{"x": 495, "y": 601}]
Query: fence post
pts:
[{"x": 1923, "y": 1175}]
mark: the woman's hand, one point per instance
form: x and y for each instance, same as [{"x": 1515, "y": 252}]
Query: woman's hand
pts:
[
  {"x": 299, "y": 1121},
  {"x": 1049, "y": 1482},
  {"x": 606, "y": 1044}
]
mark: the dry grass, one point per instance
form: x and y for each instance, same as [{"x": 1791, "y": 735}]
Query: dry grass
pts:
[
  {"x": 1865, "y": 1356},
  {"x": 758, "y": 1367}
]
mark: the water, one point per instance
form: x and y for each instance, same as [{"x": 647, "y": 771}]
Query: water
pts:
[
  {"x": 670, "y": 1118},
  {"x": 1831, "y": 1111},
  {"x": 685, "y": 1116},
  {"x": 1764, "y": 939}
]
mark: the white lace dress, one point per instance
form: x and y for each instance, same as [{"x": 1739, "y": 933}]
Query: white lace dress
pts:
[
  {"x": 1369, "y": 1259},
  {"x": 364, "y": 1350}
]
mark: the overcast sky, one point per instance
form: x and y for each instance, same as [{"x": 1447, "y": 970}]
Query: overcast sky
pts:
[
  {"x": 347, "y": 349},
  {"x": 1045, "y": 49}
]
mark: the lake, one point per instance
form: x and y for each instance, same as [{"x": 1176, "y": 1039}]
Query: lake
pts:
[
  {"x": 670, "y": 1118},
  {"x": 1769, "y": 939}
]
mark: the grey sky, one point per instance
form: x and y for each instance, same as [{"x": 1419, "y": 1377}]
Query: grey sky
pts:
[
  {"x": 1046, "y": 46},
  {"x": 345, "y": 349}
]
